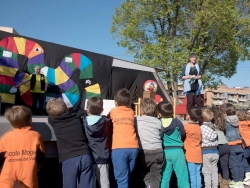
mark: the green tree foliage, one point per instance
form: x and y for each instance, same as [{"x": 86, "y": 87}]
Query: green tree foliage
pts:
[{"x": 162, "y": 33}]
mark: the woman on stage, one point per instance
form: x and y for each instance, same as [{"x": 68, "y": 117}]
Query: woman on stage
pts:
[{"x": 191, "y": 75}]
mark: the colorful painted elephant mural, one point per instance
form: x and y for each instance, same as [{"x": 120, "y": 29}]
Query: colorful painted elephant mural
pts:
[{"x": 18, "y": 58}]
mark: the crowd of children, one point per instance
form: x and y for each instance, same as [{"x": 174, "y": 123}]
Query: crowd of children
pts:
[{"x": 211, "y": 149}]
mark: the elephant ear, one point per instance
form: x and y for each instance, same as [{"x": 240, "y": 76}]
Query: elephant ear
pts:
[
  {"x": 17, "y": 57},
  {"x": 25, "y": 88}
]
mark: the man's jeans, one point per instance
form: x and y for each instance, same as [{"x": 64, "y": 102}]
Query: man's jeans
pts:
[
  {"x": 124, "y": 162},
  {"x": 78, "y": 168},
  {"x": 102, "y": 175},
  {"x": 194, "y": 170},
  {"x": 236, "y": 162},
  {"x": 151, "y": 163},
  {"x": 210, "y": 169},
  {"x": 245, "y": 162},
  {"x": 224, "y": 151}
]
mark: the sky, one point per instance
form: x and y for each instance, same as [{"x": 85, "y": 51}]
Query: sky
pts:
[{"x": 83, "y": 24}]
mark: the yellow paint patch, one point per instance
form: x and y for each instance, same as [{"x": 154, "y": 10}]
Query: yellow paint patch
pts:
[
  {"x": 8, "y": 98},
  {"x": 25, "y": 87},
  {"x": 94, "y": 89},
  {"x": 7, "y": 71},
  {"x": 60, "y": 76},
  {"x": 20, "y": 44}
]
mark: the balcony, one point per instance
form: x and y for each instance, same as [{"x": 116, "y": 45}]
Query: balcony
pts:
[
  {"x": 218, "y": 102},
  {"x": 217, "y": 97},
  {"x": 242, "y": 100},
  {"x": 233, "y": 100}
]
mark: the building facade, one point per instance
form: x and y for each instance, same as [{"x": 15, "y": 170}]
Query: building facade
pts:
[{"x": 239, "y": 96}]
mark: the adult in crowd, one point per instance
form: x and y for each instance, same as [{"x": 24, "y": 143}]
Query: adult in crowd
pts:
[
  {"x": 38, "y": 86},
  {"x": 191, "y": 75}
]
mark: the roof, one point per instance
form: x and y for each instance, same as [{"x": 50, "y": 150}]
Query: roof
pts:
[
  {"x": 217, "y": 91},
  {"x": 8, "y": 29},
  {"x": 235, "y": 90},
  {"x": 136, "y": 66}
]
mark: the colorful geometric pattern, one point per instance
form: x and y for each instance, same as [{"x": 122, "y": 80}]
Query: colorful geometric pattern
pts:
[
  {"x": 92, "y": 91},
  {"x": 25, "y": 88},
  {"x": 10, "y": 47},
  {"x": 11, "y": 71},
  {"x": 61, "y": 77}
]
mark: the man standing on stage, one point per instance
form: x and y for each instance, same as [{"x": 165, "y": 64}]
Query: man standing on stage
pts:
[{"x": 38, "y": 86}]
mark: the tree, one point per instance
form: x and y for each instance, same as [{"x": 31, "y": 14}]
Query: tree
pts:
[{"x": 162, "y": 33}]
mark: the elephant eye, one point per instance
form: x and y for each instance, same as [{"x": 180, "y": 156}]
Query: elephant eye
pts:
[
  {"x": 88, "y": 82},
  {"x": 38, "y": 49}
]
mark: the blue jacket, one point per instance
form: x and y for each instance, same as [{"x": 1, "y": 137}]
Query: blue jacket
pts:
[
  {"x": 99, "y": 132},
  {"x": 232, "y": 129}
]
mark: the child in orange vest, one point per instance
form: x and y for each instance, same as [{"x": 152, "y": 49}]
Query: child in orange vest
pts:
[
  {"x": 192, "y": 146},
  {"x": 22, "y": 149},
  {"x": 244, "y": 129},
  {"x": 125, "y": 145}
]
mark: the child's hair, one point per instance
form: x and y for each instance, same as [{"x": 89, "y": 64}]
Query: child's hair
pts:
[
  {"x": 95, "y": 105},
  {"x": 248, "y": 117},
  {"x": 230, "y": 109},
  {"x": 165, "y": 109},
  {"x": 219, "y": 118},
  {"x": 223, "y": 108},
  {"x": 194, "y": 113},
  {"x": 149, "y": 107},
  {"x": 18, "y": 116},
  {"x": 207, "y": 115},
  {"x": 242, "y": 116},
  {"x": 56, "y": 107},
  {"x": 122, "y": 97},
  {"x": 248, "y": 111}
]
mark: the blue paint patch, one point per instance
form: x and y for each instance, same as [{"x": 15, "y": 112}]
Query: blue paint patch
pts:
[
  {"x": 72, "y": 98},
  {"x": 51, "y": 76},
  {"x": 84, "y": 62}
]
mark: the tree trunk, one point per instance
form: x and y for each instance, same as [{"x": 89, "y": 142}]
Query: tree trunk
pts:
[
  {"x": 170, "y": 89},
  {"x": 169, "y": 84},
  {"x": 175, "y": 86}
]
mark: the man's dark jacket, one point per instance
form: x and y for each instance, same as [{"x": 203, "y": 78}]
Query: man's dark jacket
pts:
[{"x": 70, "y": 134}]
